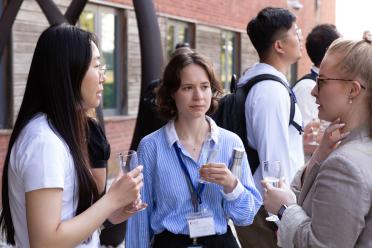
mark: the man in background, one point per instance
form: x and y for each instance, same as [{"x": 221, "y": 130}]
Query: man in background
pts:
[{"x": 277, "y": 40}]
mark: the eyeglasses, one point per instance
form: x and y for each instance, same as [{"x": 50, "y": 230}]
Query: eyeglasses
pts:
[
  {"x": 322, "y": 80},
  {"x": 102, "y": 72},
  {"x": 298, "y": 33}
]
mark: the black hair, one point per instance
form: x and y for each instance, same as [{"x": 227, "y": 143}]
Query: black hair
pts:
[
  {"x": 62, "y": 57},
  {"x": 318, "y": 41},
  {"x": 265, "y": 27}
]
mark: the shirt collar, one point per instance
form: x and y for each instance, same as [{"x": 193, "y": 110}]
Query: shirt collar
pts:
[
  {"x": 172, "y": 137},
  {"x": 315, "y": 69}
]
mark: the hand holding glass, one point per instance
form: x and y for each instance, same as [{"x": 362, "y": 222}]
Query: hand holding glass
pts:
[
  {"x": 209, "y": 156},
  {"x": 315, "y": 128},
  {"x": 128, "y": 161},
  {"x": 271, "y": 173}
]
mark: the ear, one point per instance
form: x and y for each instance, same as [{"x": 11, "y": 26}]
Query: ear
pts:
[
  {"x": 278, "y": 46},
  {"x": 355, "y": 89}
]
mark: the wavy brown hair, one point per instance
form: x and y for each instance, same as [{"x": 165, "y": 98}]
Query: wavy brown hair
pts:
[{"x": 171, "y": 82}]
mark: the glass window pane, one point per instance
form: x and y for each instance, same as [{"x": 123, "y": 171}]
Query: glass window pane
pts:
[
  {"x": 177, "y": 32},
  {"x": 107, "y": 40},
  {"x": 86, "y": 21},
  {"x": 227, "y": 57},
  {"x": 170, "y": 40}
]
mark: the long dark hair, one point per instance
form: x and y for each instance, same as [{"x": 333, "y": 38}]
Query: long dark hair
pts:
[{"x": 62, "y": 57}]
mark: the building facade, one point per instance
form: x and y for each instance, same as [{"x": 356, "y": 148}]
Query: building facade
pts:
[{"x": 216, "y": 28}]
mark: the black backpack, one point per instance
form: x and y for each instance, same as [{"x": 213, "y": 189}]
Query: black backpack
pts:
[
  {"x": 311, "y": 76},
  {"x": 231, "y": 113}
]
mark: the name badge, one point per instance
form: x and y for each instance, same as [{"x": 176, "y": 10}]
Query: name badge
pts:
[{"x": 201, "y": 224}]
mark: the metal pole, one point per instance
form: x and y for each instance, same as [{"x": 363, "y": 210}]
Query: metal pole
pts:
[{"x": 151, "y": 61}]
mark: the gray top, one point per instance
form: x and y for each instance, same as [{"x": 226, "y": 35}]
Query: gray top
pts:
[{"x": 334, "y": 202}]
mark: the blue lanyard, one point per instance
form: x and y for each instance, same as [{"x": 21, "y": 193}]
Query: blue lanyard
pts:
[{"x": 195, "y": 192}]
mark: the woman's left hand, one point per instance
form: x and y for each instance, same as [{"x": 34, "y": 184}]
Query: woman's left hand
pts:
[
  {"x": 218, "y": 173},
  {"x": 124, "y": 213},
  {"x": 274, "y": 198}
]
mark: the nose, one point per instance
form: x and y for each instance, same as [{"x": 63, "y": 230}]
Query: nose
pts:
[
  {"x": 314, "y": 91},
  {"x": 197, "y": 93},
  {"x": 102, "y": 78}
]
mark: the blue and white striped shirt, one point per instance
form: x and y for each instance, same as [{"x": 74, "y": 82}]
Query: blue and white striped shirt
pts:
[{"x": 168, "y": 196}]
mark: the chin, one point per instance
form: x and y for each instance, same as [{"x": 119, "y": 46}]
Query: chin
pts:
[{"x": 325, "y": 117}]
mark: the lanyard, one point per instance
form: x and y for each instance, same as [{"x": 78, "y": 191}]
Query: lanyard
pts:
[{"x": 195, "y": 192}]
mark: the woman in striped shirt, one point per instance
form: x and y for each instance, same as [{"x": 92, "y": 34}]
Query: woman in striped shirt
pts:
[{"x": 182, "y": 211}]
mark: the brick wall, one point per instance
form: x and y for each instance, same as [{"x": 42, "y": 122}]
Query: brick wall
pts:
[
  {"x": 119, "y": 134},
  {"x": 134, "y": 64},
  {"x": 208, "y": 43},
  {"x": 209, "y": 18},
  {"x": 4, "y": 140}
]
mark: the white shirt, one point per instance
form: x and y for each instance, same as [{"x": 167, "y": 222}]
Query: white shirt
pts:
[
  {"x": 40, "y": 159},
  {"x": 305, "y": 101},
  {"x": 267, "y": 110}
]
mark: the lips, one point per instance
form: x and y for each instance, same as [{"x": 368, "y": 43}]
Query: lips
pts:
[{"x": 197, "y": 106}]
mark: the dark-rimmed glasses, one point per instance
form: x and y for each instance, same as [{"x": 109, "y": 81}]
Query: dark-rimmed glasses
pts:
[{"x": 321, "y": 80}]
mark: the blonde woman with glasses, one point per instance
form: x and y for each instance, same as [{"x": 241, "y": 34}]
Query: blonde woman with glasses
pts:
[{"x": 334, "y": 190}]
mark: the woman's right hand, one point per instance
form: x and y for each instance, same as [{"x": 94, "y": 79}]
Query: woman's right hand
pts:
[
  {"x": 331, "y": 138},
  {"x": 126, "y": 188}
]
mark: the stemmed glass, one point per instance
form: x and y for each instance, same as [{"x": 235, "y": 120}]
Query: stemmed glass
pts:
[
  {"x": 315, "y": 128},
  {"x": 271, "y": 173},
  {"x": 208, "y": 156},
  {"x": 128, "y": 161}
]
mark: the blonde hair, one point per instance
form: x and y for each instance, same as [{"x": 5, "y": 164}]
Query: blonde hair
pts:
[{"x": 355, "y": 62}]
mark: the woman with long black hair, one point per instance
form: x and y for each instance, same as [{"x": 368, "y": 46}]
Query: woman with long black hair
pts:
[{"x": 49, "y": 195}]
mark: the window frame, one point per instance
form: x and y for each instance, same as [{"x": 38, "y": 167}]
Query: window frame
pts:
[
  {"x": 236, "y": 57},
  {"x": 120, "y": 54},
  {"x": 6, "y": 83},
  {"x": 177, "y": 24}
]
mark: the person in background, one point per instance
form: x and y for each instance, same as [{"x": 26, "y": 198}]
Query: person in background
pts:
[
  {"x": 99, "y": 152},
  {"x": 334, "y": 189},
  {"x": 277, "y": 40},
  {"x": 49, "y": 196},
  {"x": 317, "y": 43},
  {"x": 173, "y": 156}
]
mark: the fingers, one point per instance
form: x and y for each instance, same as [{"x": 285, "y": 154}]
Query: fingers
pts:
[
  {"x": 136, "y": 171},
  {"x": 333, "y": 127},
  {"x": 266, "y": 185},
  {"x": 282, "y": 183},
  {"x": 343, "y": 135}
]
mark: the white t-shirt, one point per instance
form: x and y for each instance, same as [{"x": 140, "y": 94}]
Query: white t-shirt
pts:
[
  {"x": 305, "y": 101},
  {"x": 267, "y": 110},
  {"x": 40, "y": 159}
]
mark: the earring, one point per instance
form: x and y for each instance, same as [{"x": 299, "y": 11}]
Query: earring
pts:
[{"x": 350, "y": 100}]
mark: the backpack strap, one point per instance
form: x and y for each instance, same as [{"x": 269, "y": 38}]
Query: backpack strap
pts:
[
  {"x": 262, "y": 77},
  {"x": 311, "y": 76}
]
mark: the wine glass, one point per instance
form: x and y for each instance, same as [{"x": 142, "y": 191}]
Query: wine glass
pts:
[
  {"x": 271, "y": 173},
  {"x": 315, "y": 128},
  {"x": 129, "y": 161},
  {"x": 208, "y": 156}
]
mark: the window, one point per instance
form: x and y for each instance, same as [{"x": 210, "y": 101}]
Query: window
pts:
[
  {"x": 178, "y": 32},
  {"x": 5, "y": 84},
  {"x": 105, "y": 22},
  {"x": 229, "y": 57}
]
